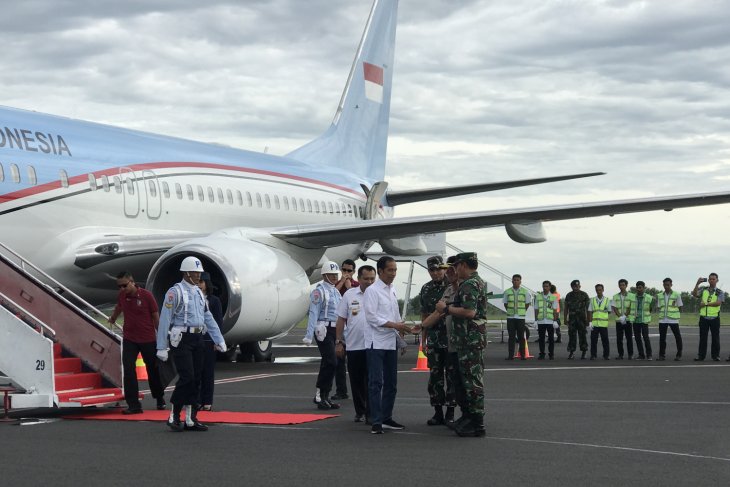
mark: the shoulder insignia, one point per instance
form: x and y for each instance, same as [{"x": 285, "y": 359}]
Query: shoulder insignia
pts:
[
  {"x": 169, "y": 299},
  {"x": 316, "y": 296}
]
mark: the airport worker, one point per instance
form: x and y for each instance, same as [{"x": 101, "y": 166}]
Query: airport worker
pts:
[
  {"x": 624, "y": 307},
  {"x": 711, "y": 298},
  {"x": 598, "y": 312},
  {"x": 385, "y": 324},
  {"x": 575, "y": 314},
  {"x": 669, "y": 308},
  {"x": 346, "y": 282},
  {"x": 322, "y": 326},
  {"x": 350, "y": 339},
  {"x": 207, "y": 378},
  {"x": 642, "y": 320},
  {"x": 436, "y": 343},
  {"x": 558, "y": 335},
  {"x": 184, "y": 319},
  {"x": 546, "y": 312},
  {"x": 141, "y": 317},
  {"x": 516, "y": 302},
  {"x": 469, "y": 312}
]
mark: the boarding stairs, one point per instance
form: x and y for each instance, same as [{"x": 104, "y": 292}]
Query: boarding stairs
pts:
[{"x": 54, "y": 349}]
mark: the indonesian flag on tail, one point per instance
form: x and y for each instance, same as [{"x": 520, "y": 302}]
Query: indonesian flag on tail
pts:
[{"x": 373, "y": 82}]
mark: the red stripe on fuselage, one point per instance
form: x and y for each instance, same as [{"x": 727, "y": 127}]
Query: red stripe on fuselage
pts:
[{"x": 42, "y": 188}]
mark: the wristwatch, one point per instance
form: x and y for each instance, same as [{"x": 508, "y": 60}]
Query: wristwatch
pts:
[{"x": 339, "y": 342}]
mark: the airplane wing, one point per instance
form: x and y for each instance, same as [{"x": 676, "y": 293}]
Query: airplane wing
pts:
[
  {"x": 395, "y": 198},
  {"x": 328, "y": 235}
]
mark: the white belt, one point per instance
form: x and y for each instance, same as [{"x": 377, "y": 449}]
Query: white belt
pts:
[{"x": 333, "y": 324}]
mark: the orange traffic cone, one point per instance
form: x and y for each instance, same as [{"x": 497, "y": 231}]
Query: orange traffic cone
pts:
[
  {"x": 527, "y": 350},
  {"x": 422, "y": 362},
  {"x": 141, "y": 369}
]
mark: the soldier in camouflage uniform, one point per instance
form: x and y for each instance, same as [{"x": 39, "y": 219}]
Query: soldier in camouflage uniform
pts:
[
  {"x": 437, "y": 342},
  {"x": 575, "y": 315},
  {"x": 469, "y": 338}
]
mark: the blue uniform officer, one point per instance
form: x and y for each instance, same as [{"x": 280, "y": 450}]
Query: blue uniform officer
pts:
[
  {"x": 183, "y": 321},
  {"x": 322, "y": 327}
]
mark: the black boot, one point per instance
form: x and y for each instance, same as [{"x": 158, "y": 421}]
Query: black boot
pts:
[
  {"x": 474, "y": 427},
  {"x": 449, "y": 418},
  {"x": 463, "y": 419},
  {"x": 438, "y": 417}
]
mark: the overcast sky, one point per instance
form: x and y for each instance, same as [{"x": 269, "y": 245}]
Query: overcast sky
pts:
[{"x": 483, "y": 91}]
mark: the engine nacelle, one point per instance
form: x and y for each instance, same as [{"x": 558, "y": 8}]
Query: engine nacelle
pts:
[
  {"x": 264, "y": 292},
  {"x": 527, "y": 232}
]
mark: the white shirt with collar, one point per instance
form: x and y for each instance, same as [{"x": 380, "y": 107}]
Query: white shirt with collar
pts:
[
  {"x": 381, "y": 306},
  {"x": 351, "y": 308}
]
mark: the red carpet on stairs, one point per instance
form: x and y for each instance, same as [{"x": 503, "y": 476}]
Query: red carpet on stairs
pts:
[{"x": 208, "y": 417}]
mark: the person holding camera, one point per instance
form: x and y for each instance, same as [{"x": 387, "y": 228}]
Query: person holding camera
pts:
[{"x": 711, "y": 298}]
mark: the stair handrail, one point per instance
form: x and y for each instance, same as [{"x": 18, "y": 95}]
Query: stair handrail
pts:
[
  {"x": 501, "y": 274},
  {"x": 27, "y": 314},
  {"x": 21, "y": 266}
]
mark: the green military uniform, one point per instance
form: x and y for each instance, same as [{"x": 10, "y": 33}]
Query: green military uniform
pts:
[
  {"x": 576, "y": 303},
  {"x": 437, "y": 344},
  {"x": 470, "y": 339}
]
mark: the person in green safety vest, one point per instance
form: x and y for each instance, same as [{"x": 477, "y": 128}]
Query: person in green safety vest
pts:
[
  {"x": 598, "y": 312},
  {"x": 624, "y": 307},
  {"x": 546, "y": 312},
  {"x": 669, "y": 307},
  {"x": 711, "y": 299},
  {"x": 641, "y": 321},
  {"x": 516, "y": 301}
]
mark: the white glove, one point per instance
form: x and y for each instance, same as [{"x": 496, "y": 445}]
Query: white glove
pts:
[
  {"x": 162, "y": 355},
  {"x": 590, "y": 325},
  {"x": 221, "y": 347},
  {"x": 622, "y": 319}
]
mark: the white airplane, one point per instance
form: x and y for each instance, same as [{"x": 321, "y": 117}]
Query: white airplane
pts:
[{"x": 84, "y": 201}]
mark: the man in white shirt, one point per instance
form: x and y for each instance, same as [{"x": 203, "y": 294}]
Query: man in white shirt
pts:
[
  {"x": 352, "y": 330},
  {"x": 384, "y": 322}
]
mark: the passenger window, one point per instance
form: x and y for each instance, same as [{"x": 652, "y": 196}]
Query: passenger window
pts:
[
  {"x": 153, "y": 188},
  {"x": 268, "y": 201},
  {"x": 15, "y": 173},
  {"x": 329, "y": 207},
  {"x": 349, "y": 209},
  {"x": 229, "y": 194},
  {"x": 32, "y": 178},
  {"x": 201, "y": 193},
  {"x": 301, "y": 205},
  {"x": 258, "y": 200},
  {"x": 92, "y": 181},
  {"x": 105, "y": 183},
  {"x": 189, "y": 190},
  {"x": 2, "y": 174},
  {"x": 178, "y": 191},
  {"x": 219, "y": 192},
  {"x": 211, "y": 196},
  {"x": 277, "y": 205},
  {"x": 294, "y": 204},
  {"x": 130, "y": 185},
  {"x": 316, "y": 206},
  {"x": 286, "y": 203},
  {"x": 249, "y": 200},
  {"x": 165, "y": 189},
  {"x": 309, "y": 205},
  {"x": 239, "y": 197},
  {"x": 324, "y": 207},
  {"x": 64, "y": 179}
]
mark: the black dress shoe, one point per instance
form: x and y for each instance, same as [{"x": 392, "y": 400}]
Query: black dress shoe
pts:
[
  {"x": 661, "y": 358},
  {"x": 619, "y": 357},
  {"x": 175, "y": 425},
  {"x": 339, "y": 397},
  {"x": 728, "y": 359},
  {"x": 570, "y": 356},
  {"x": 699, "y": 359},
  {"x": 359, "y": 418},
  {"x": 161, "y": 404},
  {"x": 196, "y": 426},
  {"x": 715, "y": 359},
  {"x": 583, "y": 355},
  {"x": 509, "y": 358},
  {"x": 132, "y": 411}
]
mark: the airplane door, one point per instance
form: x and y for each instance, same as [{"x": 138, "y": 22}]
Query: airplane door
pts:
[
  {"x": 130, "y": 192},
  {"x": 153, "y": 194},
  {"x": 375, "y": 196}
]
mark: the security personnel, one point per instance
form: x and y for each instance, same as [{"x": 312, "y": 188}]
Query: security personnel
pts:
[
  {"x": 184, "y": 319},
  {"x": 575, "y": 314},
  {"x": 624, "y": 307},
  {"x": 516, "y": 301},
  {"x": 669, "y": 307},
  {"x": 546, "y": 313},
  {"x": 322, "y": 326},
  {"x": 642, "y": 320},
  {"x": 469, "y": 337},
  {"x": 711, "y": 299},
  {"x": 598, "y": 312}
]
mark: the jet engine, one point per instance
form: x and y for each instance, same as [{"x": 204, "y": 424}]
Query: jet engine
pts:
[{"x": 264, "y": 292}]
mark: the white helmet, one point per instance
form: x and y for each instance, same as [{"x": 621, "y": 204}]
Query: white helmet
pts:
[
  {"x": 191, "y": 264},
  {"x": 330, "y": 268}
]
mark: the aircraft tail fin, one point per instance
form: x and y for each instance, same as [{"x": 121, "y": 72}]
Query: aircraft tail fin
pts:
[{"x": 358, "y": 136}]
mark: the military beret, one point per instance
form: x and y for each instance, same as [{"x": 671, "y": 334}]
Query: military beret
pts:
[
  {"x": 434, "y": 262},
  {"x": 469, "y": 257}
]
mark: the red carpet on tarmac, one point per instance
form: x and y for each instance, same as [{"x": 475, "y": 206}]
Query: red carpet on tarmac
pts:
[{"x": 208, "y": 417}]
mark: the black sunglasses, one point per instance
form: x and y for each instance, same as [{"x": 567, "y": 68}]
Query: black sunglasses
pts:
[{"x": 348, "y": 270}]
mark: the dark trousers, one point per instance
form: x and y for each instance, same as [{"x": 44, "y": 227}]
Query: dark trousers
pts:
[
  {"x": 621, "y": 330},
  {"x": 328, "y": 364},
  {"x": 558, "y": 336},
  {"x": 341, "y": 376},
  {"x": 459, "y": 391},
  {"x": 516, "y": 330},
  {"x": 641, "y": 331},
  {"x": 441, "y": 377},
  {"x": 130, "y": 350},
  {"x": 548, "y": 328},
  {"x": 357, "y": 367},
  {"x": 663, "y": 337},
  {"x": 603, "y": 332},
  {"x": 207, "y": 378},
  {"x": 188, "y": 357},
  {"x": 577, "y": 334},
  {"x": 382, "y": 383},
  {"x": 713, "y": 326}
]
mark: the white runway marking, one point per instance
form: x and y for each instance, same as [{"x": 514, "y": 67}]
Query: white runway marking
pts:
[{"x": 610, "y": 447}]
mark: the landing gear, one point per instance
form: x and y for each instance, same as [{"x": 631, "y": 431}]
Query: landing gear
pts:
[{"x": 260, "y": 351}]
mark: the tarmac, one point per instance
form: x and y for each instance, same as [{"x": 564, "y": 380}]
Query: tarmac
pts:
[{"x": 549, "y": 423}]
